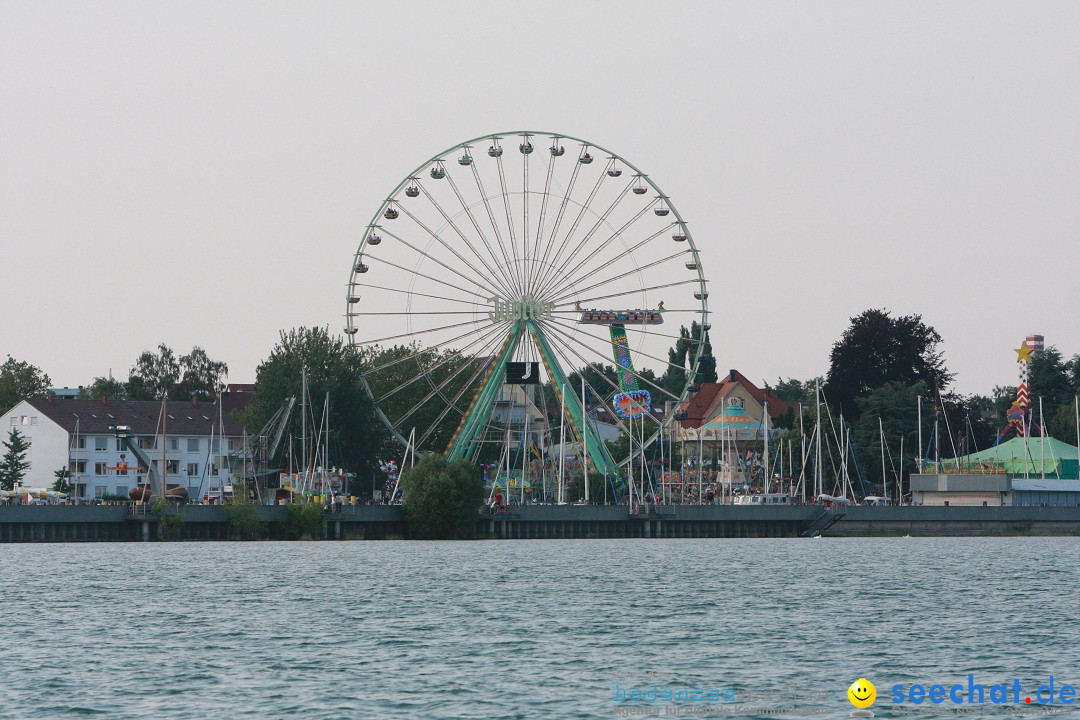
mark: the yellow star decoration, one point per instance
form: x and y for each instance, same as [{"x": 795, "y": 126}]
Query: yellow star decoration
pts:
[{"x": 1023, "y": 353}]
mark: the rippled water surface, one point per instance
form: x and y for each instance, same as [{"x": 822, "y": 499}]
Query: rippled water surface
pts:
[{"x": 518, "y": 629}]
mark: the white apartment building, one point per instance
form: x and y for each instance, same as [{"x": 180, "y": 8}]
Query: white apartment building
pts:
[{"x": 80, "y": 435}]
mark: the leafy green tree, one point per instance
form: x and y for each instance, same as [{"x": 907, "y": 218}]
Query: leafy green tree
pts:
[
  {"x": 878, "y": 349},
  {"x": 163, "y": 374},
  {"x": 63, "y": 480},
  {"x": 1050, "y": 381},
  {"x": 442, "y": 498},
  {"x": 106, "y": 387},
  {"x": 21, "y": 381},
  {"x": 356, "y": 436},
  {"x": 13, "y": 465},
  {"x": 681, "y": 358}
]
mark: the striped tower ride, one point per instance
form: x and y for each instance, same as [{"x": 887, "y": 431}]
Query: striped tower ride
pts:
[{"x": 1019, "y": 411}]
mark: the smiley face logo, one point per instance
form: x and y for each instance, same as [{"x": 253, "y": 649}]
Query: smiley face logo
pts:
[{"x": 862, "y": 693}]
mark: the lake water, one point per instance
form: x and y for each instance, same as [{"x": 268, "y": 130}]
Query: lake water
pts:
[{"x": 525, "y": 629}]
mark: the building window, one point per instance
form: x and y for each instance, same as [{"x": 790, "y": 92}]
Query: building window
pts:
[
  {"x": 25, "y": 419},
  {"x": 14, "y": 420},
  {"x": 33, "y": 419},
  {"x": 215, "y": 445},
  {"x": 213, "y": 470},
  {"x": 121, "y": 444},
  {"x": 101, "y": 443},
  {"x": 193, "y": 445},
  {"x": 174, "y": 443},
  {"x": 122, "y": 490},
  {"x": 80, "y": 443},
  {"x": 193, "y": 468},
  {"x": 147, "y": 443},
  {"x": 99, "y": 469},
  {"x": 234, "y": 443},
  {"x": 99, "y": 491},
  {"x": 77, "y": 467},
  {"x": 172, "y": 467}
]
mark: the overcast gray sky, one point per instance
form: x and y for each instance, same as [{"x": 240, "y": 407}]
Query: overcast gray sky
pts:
[{"x": 201, "y": 173}]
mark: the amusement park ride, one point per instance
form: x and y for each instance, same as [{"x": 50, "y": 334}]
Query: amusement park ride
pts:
[{"x": 523, "y": 256}]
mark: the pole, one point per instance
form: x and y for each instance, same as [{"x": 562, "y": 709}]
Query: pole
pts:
[
  {"x": 802, "y": 455},
  {"x": 303, "y": 423},
  {"x": 900, "y": 475},
  {"x": 1042, "y": 440},
  {"x": 525, "y": 445},
  {"x": 918, "y": 456},
  {"x": 585, "y": 436},
  {"x": 884, "y": 477},
  {"x": 765, "y": 422},
  {"x": 1078, "y": 431},
  {"x": 817, "y": 440},
  {"x": 562, "y": 442}
]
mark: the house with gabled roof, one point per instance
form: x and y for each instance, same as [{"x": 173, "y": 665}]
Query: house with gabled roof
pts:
[{"x": 197, "y": 444}]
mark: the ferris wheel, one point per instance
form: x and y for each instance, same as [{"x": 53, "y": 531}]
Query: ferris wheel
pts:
[{"x": 532, "y": 253}]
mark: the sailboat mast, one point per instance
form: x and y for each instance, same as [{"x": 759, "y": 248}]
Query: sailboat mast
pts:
[
  {"x": 765, "y": 422},
  {"x": 303, "y": 423}
]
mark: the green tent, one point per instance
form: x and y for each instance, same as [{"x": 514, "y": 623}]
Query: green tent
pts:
[{"x": 1021, "y": 456}]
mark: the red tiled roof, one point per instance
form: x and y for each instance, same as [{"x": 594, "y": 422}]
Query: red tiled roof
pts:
[{"x": 700, "y": 406}]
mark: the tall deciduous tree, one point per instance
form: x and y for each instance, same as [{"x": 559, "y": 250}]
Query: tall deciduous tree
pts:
[
  {"x": 13, "y": 465},
  {"x": 356, "y": 436},
  {"x": 20, "y": 381},
  {"x": 878, "y": 349}
]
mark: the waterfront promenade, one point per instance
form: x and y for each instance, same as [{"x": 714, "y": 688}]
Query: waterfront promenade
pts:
[{"x": 118, "y": 523}]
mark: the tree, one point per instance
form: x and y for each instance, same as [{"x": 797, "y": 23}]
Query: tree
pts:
[
  {"x": 106, "y": 387},
  {"x": 442, "y": 498},
  {"x": 896, "y": 405},
  {"x": 21, "y": 381},
  {"x": 13, "y": 465},
  {"x": 162, "y": 374},
  {"x": 356, "y": 435},
  {"x": 878, "y": 349},
  {"x": 681, "y": 358},
  {"x": 63, "y": 480},
  {"x": 1050, "y": 383}
]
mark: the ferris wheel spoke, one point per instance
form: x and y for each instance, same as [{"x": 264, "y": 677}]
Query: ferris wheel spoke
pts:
[
  {"x": 483, "y": 238},
  {"x": 426, "y": 372},
  {"x": 420, "y": 350},
  {"x": 417, "y": 273},
  {"x": 487, "y": 289},
  {"x": 509, "y": 216},
  {"x": 582, "y": 270},
  {"x": 573, "y": 228},
  {"x": 540, "y": 221},
  {"x": 494, "y": 224},
  {"x": 414, "y": 293},
  {"x": 632, "y": 291},
  {"x": 543, "y": 264},
  {"x": 525, "y": 216},
  {"x": 481, "y": 370},
  {"x": 635, "y": 271},
  {"x": 442, "y": 242},
  {"x": 602, "y": 220},
  {"x": 642, "y": 353},
  {"x": 417, "y": 332},
  {"x": 607, "y": 358},
  {"x": 437, "y": 391},
  {"x": 581, "y": 374}
]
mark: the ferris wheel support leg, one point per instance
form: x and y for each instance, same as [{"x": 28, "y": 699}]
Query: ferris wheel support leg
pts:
[
  {"x": 464, "y": 445},
  {"x": 600, "y": 459}
]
